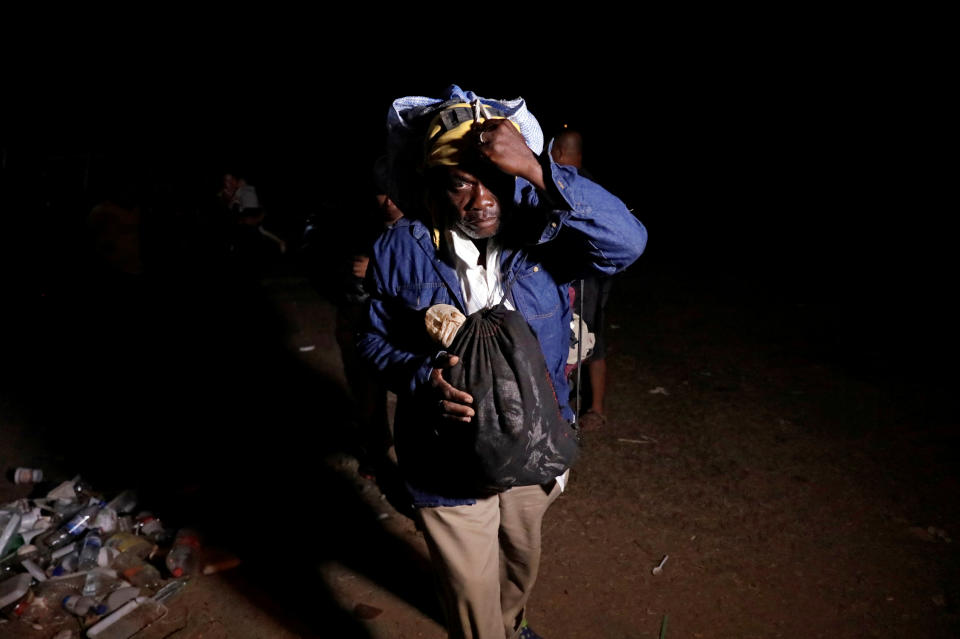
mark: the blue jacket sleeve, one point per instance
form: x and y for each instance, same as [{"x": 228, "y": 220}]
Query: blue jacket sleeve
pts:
[
  {"x": 404, "y": 371},
  {"x": 592, "y": 223}
]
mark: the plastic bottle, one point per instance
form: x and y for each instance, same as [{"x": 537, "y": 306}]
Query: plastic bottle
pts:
[
  {"x": 137, "y": 571},
  {"x": 99, "y": 581},
  {"x": 27, "y": 476},
  {"x": 88, "y": 561},
  {"x": 183, "y": 557},
  {"x": 90, "y": 551},
  {"x": 68, "y": 563},
  {"x": 81, "y": 605},
  {"x": 73, "y": 528}
]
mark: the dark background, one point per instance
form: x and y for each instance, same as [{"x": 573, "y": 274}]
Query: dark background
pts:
[{"x": 800, "y": 162}]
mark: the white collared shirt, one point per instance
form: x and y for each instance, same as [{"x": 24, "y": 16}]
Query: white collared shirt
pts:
[{"x": 479, "y": 283}]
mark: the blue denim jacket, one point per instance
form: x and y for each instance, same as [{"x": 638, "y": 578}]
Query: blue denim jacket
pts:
[{"x": 549, "y": 239}]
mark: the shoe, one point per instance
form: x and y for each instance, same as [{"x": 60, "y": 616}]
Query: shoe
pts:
[
  {"x": 592, "y": 421},
  {"x": 526, "y": 632}
]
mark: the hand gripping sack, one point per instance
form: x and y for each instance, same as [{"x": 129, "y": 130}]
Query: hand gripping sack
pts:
[{"x": 518, "y": 436}]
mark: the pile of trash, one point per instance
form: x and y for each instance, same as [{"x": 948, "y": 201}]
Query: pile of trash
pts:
[{"x": 79, "y": 565}]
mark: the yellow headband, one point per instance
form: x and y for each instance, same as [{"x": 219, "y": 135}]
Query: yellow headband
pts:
[{"x": 447, "y": 134}]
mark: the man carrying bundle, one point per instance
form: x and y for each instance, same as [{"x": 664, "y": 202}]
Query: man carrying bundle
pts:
[{"x": 498, "y": 233}]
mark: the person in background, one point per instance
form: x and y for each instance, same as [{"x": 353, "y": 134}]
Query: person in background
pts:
[
  {"x": 593, "y": 291},
  {"x": 368, "y": 391},
  {"x": 240, "y": 199}
]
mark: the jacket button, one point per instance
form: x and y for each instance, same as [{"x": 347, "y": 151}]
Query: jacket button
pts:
[{"x": 536, "y": 269}]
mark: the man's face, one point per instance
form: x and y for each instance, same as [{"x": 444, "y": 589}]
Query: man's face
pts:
[{"x": 469, "y": 204}]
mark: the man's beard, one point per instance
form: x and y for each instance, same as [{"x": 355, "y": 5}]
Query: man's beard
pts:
[{"x": 485, "y": 230}]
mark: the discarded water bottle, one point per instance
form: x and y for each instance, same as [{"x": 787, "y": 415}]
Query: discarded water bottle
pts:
[
  {"x": 90, "y": 551},
  {"x": 73, "y": 528},
  {"x": 68, "y": 564},
  {"x": 183, "y": 557},
  {"x": 88, "y": 561},
  {"x": 82, "y": 605}
]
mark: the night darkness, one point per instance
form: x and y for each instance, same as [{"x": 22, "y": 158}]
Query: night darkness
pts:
[
  {"x": 807, "y": 163},
  {"x": 799, "y": 175}
]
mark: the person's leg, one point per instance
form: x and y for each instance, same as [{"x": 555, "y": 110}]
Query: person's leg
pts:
[
  {"x": 465, "y": 553},
  {"x": 596, "y": 294},
  {"x": 597, "y": 370},
  {"x": 521, "y": 514}
]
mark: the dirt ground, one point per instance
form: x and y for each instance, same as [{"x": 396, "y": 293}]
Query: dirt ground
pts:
[{"x": 801, "y": 484}]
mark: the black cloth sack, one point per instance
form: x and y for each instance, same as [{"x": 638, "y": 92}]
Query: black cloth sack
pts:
[{"x": 518, "y": 436}]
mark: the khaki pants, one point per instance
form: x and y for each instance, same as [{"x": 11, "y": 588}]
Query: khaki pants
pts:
[{"x": 486, "y": 557}]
